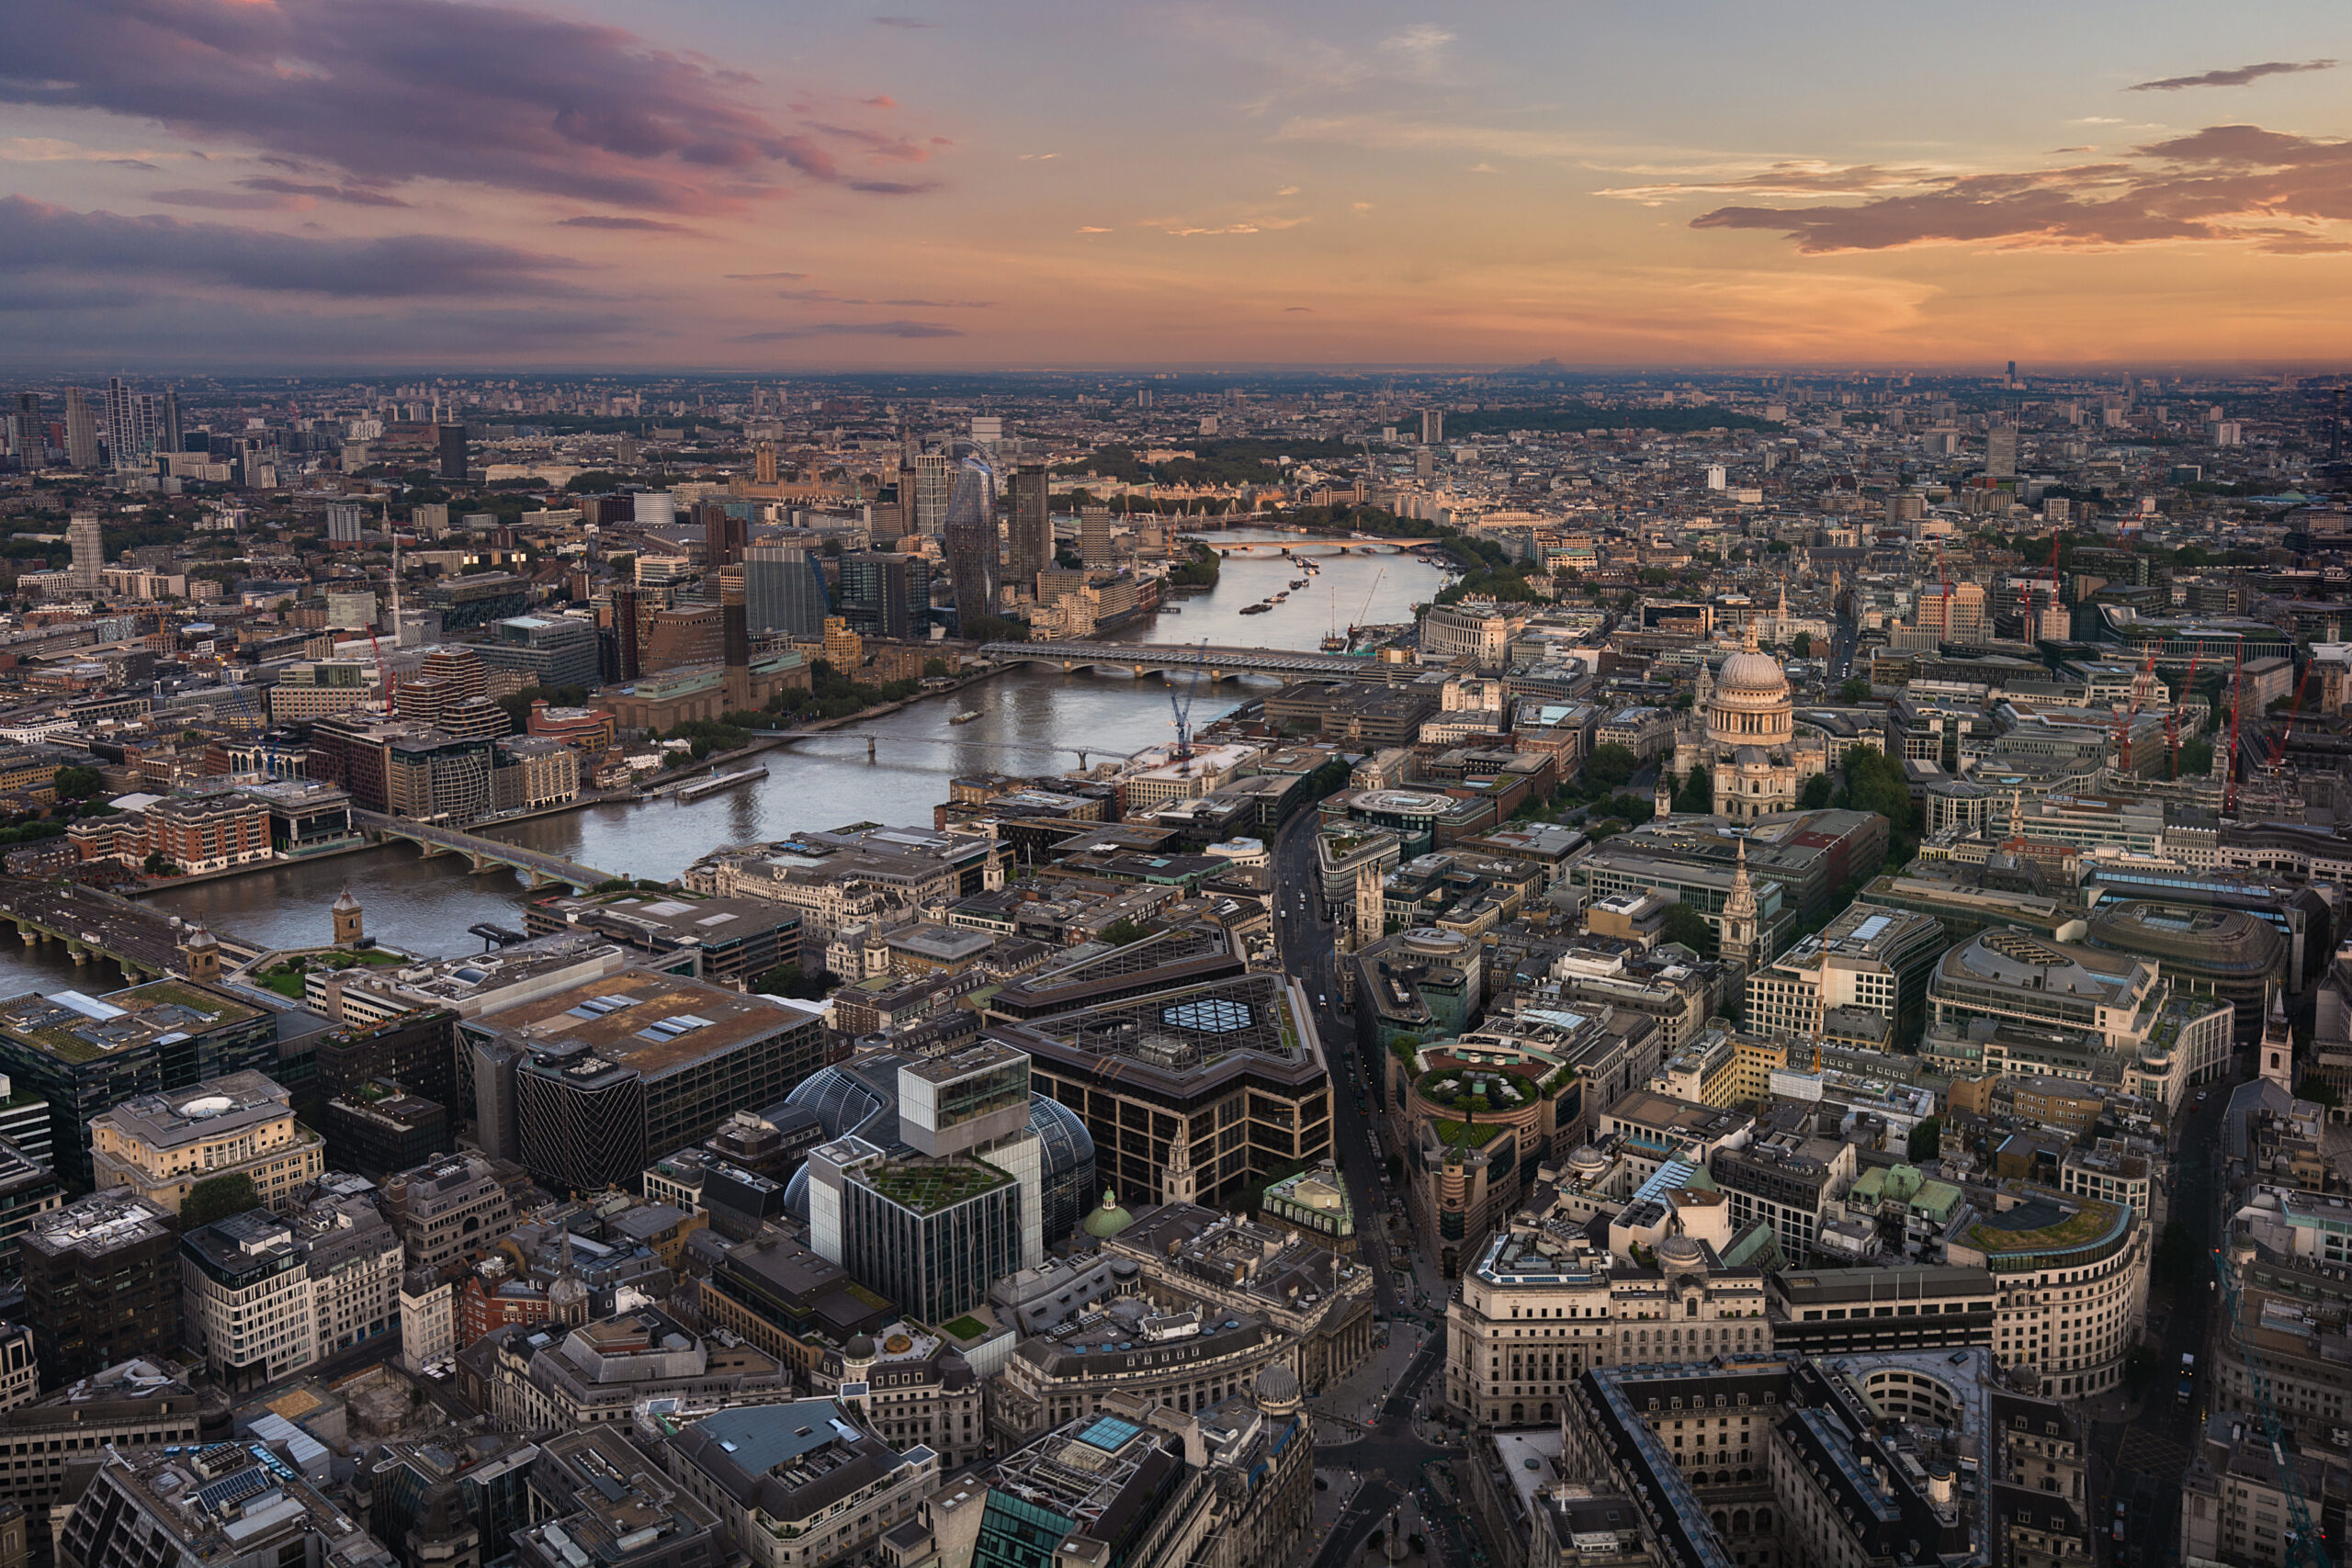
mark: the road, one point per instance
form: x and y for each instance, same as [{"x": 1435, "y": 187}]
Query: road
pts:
[
  {"x": 2139, "y": 1461},
  {"x": 1306, "y": 938},
  {"x": 1390, "y": 1459}
]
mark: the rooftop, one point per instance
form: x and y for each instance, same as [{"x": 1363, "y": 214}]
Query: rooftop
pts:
[
  {"x": 653, "y": 1022},
  {"x": 80, "y": 1028}
]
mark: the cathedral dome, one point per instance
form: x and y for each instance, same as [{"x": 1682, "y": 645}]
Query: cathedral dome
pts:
[{"x": 1751, "y": 673}]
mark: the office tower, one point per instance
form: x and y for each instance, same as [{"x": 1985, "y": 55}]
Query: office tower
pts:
[
  {"x": 174, "y": 439},
  {"x": 625, "y": 662},
  {"x": 953, "y": 1204},
  {"x": 1031, "y": 548},
  {"x": 783, "y": 591},
  {"x": 1094, "y": 536},
  {"x": 452, "y": 441},
  {"x": 886, "y": 595},
  {"x": 554, "y": 651},
  {"x": 970, "y": 539},
  {"x": 2001, "y": 452},
  {"x": 81, "y": 430},
  {"x": 723, "y": 534},
  {"x": 102, "y": 1278},
  {"x": 934, "y": 481},
  {"x": 344, "y": 521},
  {"x": 735, "y": 647},
  {"x": 1432, "y": 426},
  {"x": 24, "y": 438},
  {"x": 89, "y": 553},
  {"x": 988, "y": 433}
]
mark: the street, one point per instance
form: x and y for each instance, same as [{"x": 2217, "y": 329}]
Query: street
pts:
[
  {"x": 1391, "y": 1456},
  {"x": 2137, "y": 1453},
  {"x": 1305, "y": 940}
]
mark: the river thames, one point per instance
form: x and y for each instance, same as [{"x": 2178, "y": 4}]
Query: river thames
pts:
[{"x": 423, "y": 907}]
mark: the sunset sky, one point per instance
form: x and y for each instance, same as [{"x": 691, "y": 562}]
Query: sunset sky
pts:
[{"x": 764, "y": 185}]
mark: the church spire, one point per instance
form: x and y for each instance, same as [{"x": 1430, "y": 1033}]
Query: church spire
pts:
[{"x": 1736, "y": 933}]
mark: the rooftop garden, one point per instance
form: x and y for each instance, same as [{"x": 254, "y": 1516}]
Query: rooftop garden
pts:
[
  {"x": 2086, "y": 1224},
  {"x": 966, "y": 1328},
  {"x": 286, "y": 979},
  {"x": 1465, "y": 1134},
  {"x": 927, "y": 1189}
]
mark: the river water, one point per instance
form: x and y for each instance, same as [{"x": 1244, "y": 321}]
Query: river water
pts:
[{"x": 423, "y": 907}]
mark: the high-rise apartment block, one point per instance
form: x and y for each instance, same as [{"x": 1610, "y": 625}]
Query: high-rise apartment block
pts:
[
  {"x": 88, "y": 574},
  {"x": 885, "y": 594},
  {"x": 971, "y": 540},
  {"x": 1030, "y": 550},
  {"x": 783, "y": 591},
  {"x": 935, "y": 480},
  {"x": 81, "y": 430},
  {"x": 449, "y": 442}
]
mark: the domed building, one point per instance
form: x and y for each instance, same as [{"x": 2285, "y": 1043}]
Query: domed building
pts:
[
  {"x": 1742, "y": 730},
  {"x": 861, "y": 1097},
  {"x": 1108, "y": 1220}
]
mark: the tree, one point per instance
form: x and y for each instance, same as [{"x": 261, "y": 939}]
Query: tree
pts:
[
  {"x": 1125, "y": 932},
  {"x": 1926, "y": 1140},
  {"x": 77, "y": 783},
  {"x": 1802, "y": 645},
  {"x": 217, "y": 1198},
  {"x": 1687, "y": 926},
  {"x": 1697, "y": 795},
  {"x": 933, "y": 668},
  {"x": 1855, "y": 690},
  {"x": 1610, "y": 765},
  {"x": 1817, "y": 793},
  {"x": 156, "y": 865},
  {"x": 787, "y": 980}
]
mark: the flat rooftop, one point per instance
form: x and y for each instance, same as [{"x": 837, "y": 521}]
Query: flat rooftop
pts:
[
  {"x": 76, "y": 1028},
  {"x": 649, "y": 1022}
]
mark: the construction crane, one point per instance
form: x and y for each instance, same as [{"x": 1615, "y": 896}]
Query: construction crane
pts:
[
  {"x": 1367, "y": 600},
  {"x": 1944, "y": 577},
  {"x": 1183, "y": 706},
  {"x": 2180, "y": 701},
  {"x": 2279, "y": 745},
  {"x": 2306, "y": 1548},
  {"x": 2057, "y": 583}
]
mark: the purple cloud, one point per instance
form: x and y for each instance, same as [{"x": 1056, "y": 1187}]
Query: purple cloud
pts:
[
  {"x": 2235, "y": 76},
  {"x": 633, "y": 225},
  {"x": 224, "y": 200},
  {"x": 457, "y": 90},
  {"x": 39, "y": 238},
  {"x": 853, "y": 329},
  {"x": 349, "y": 196},
  {"x": 2225, "y": 182}
]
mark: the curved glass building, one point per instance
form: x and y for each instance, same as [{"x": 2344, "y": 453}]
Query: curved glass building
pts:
[{"x": 862, "y": 1097}]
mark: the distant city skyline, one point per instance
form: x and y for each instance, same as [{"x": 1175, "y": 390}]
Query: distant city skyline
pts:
[{"x": 720, "y": 186}]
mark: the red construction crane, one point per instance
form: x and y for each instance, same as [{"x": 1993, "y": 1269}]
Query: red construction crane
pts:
[
  {"x": 1945, "y": 578},
  {"x": 2057, "y": 538},
  {"x": 2237, "y": 707},
  {"x": 2279, "y": 745},
  {"x": 2180, "y": 700}
]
